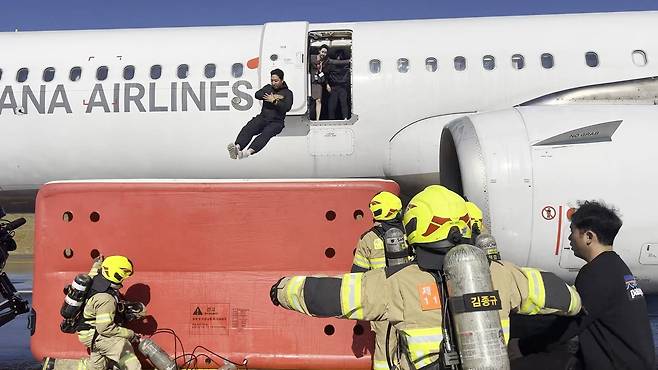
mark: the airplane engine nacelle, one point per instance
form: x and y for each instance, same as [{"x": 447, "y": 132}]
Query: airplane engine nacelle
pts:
[{"x": 527, "y": 168}]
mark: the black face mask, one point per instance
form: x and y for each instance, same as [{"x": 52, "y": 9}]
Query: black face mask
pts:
[
  {"x": 430, "y": 256},
  {"x": 100, "y": 284},
  {"x": 394, "y": 223}
]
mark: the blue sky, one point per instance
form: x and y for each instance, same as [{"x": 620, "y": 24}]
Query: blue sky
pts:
[{"x": 29, "y": 15}]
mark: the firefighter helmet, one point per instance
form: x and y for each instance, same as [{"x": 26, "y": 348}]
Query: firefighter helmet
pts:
[
  {"x": 116, "y": 268},
  {"x": 436, "y": 214},
  {"x": 385, "y": 206}
]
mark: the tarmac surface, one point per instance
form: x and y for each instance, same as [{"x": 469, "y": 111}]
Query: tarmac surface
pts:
[{"x": 15, "y": 337}]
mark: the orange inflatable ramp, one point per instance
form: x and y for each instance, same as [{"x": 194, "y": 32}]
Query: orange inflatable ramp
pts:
[{"x": 205, "y": 255}]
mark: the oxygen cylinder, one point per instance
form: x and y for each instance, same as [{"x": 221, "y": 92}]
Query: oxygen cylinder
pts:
[
  {"x": 158, "y": 357},
  {"x": 75, "y": 296},
  {"x": 396, "y": 247},
  {"x": 474, "y": 306},
  {"x": 488, "y": 244}
]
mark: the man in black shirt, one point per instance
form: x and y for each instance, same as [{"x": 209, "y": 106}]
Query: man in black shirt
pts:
[
  {"x": 613, "y": 330},
  {"x": 277, "y": 100},
  {"x": 338, "y": 85}
]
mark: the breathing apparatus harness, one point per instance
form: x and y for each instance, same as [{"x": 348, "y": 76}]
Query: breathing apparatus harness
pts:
[
  {"x": 381, "y": 229},
  {"x": 78, "y": 294},
  {"x": 449, "y": 356},
  {"x": 449, "y": 353}
]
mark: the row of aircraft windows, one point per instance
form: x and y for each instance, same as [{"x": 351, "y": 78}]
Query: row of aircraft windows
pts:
[
  {"x": 183, "y": 71},
  {"x": 639, "y": 58}
]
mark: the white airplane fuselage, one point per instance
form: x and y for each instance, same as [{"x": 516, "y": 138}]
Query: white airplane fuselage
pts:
[{"x": 173, "y": 127}]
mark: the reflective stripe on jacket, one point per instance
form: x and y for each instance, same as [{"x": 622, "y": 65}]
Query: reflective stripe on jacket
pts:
[
  {"x": 548, "y": 294},
  {"x": 423, "y": 345},
  {"x": 530, "y": 291}
]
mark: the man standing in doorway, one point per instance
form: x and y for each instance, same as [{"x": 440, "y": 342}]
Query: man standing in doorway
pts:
[
  {"x": 338, "y": 85},
  {"x": 277, "y": 100}
]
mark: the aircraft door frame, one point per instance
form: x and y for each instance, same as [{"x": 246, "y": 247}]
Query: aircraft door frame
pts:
[{"x": 283, "y": 45}]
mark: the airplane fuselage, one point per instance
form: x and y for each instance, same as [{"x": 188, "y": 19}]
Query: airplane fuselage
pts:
[
  {"x": 174, "y": 127},
  {"x": 163, "y": 103}
]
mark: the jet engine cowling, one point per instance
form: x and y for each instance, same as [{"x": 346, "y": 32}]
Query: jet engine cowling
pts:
[{"x": 528, "y": 167}]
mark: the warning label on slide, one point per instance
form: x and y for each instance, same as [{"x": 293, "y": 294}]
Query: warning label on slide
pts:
[
  {"x": 209, "y": 318},
  {"x": 239, "y": 318}
]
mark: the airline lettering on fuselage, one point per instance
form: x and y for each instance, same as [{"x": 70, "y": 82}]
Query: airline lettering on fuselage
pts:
[{"x": 134, "y": 97}]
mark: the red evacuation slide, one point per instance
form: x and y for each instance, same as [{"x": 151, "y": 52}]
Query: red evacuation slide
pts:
[{"x": 205, "y": 255}]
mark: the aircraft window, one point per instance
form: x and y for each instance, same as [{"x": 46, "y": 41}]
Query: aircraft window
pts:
[
  {"x": 21, "y": 75},
  {"x": 518, "y": 61},
  {"x": 592, "y": 59},
  {"x": 75, "y": 74},
  {"x": 0, "y": 73},
  {"x": 488, "y": 62},
  {"x": 403, "y": 65},
  {"x": 375, "y": 66},
  {"x": 237, "y": 69},
  {"x": 183, "y": 71},
  {"x": 49, "y": 74},
  {"x": 128, "y": 72},
  {"x": 431, "y": 64},
  {"x": 460, "y": 63},
  {"x": 210, "y": 70},
  {"x": 156, "y": 71},
  {"x": 639, "y": 58},
  {"x": 101, "y": 73},
  {"x": 547, "y": 60}
]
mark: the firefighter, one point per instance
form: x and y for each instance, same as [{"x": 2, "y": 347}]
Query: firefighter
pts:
[
  {"x": 408, "y": 295},
  {"x": 476, "y": 223},
  {"x": 371, "y": 254},
  {"x": 106, "y": 340},
  {"x": 480, "y": 235}
]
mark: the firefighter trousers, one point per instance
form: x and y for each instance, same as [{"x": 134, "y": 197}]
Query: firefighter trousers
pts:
[{"x": 116, "y": 349}]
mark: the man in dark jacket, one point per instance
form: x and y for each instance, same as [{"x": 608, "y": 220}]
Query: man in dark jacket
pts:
[
  {"x": 613, "y": 330},
  {"x": 338, "y": 85},
  {"x": 277, "y": 100}
]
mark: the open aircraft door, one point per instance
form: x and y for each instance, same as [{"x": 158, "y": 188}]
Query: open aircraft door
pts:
[{"x": 284, "y": 46}]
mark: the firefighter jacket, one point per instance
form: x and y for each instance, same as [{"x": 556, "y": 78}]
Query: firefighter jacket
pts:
[
  {"x": 409, "y": 299},
  {"x": 369, "y": 255},
  {"x": 99, "y": 313},
  {"x": 370, "y": 252}
]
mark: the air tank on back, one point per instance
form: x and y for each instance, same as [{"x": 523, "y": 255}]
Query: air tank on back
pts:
[
  {"x": 473, "y": 307},
  {"x": 395, "y": 247},
  {"x": 75, "y": 295}
]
